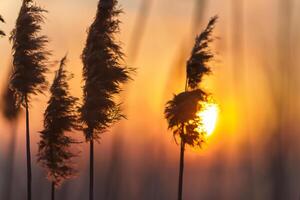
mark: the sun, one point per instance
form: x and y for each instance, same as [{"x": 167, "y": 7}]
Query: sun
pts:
[{"x": 208, "y": 117}]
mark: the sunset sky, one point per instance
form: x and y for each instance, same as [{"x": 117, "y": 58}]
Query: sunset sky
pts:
[{"x": 244, "y": 84}]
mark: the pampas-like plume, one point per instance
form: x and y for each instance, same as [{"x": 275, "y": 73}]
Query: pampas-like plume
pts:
[
  {"x": 103, "y": 74},
  {"x": 181, "y": 111},
  {"x": 197, "y": 65},
  {"x": 30, "y": 60},
  {"x": 60, "y": 117}
]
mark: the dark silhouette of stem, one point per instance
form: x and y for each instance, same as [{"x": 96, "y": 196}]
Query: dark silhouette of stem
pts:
[
  {"x": 52, "y": 191},
  {"x": 104, "y": 74},
  {"x": 54, "y": 152},
  {"x": 28, "y": 154},
  {"x": 181, "y": 161},
  {"x": 30, "y": 64},
  {"x": 181, "y": 111},
  {"x": 181, "y": 170},
  {"x": 92, "y": 169}
]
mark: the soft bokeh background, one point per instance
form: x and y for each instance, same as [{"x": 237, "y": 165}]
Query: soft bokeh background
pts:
[{"x": 254, "y": 152}]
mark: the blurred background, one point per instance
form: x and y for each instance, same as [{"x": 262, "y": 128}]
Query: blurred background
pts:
[{"x": 254, "y": 152}]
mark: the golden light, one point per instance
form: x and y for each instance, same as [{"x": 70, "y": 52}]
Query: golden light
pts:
[{"x": 208, "y": 117}]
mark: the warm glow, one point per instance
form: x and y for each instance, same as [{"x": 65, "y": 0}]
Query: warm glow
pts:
[{"x": 208, "y": 118}]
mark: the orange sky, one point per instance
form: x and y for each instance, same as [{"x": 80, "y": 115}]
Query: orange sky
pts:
[
  {"x": 67, "y": 32},
  {"x": 168, "y": 27},
  {"x": 244, "y": 93}
]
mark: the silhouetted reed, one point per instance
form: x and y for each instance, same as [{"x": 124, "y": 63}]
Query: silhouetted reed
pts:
[
  {"x": 60, "y": 117},
  {"x": 29, "y": 64},
  {"x": 181, "y": 111},
  {"x": 103, "y": 74}
]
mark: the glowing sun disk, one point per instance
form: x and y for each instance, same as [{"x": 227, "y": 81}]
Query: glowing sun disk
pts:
[{"x": 208, "y": 117}]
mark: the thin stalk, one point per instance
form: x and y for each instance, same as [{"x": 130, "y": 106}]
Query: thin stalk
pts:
[
  {"x": 92, "y": 169},
  {"x": 181, "y": 169},
  {"x": 181, "y": 162},
  {"x": 28, "y": 153},
  {"x": 52, "y": 191}
]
